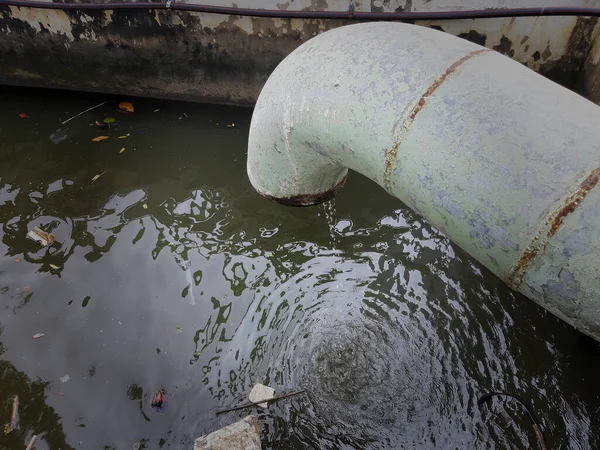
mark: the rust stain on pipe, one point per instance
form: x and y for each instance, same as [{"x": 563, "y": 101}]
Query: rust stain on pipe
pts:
[
  {"x": 552, "y": 225},
  {"x": 308, "y": 199},
  {"x": 574, "y": 200},
  {"x": 437, "y": 83},
  {"x": 515, "y": 277},
  {"x": 391, "y": 155}
]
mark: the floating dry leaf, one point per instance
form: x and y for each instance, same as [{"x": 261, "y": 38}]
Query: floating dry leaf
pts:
[
  {"x": 122, "y": 150},
  {"x": 17, "y": 260},
  {"x": 54, "y": 266},
  {"x": 124, "y": 137},
  {"x": 95, "y": 177},
  {"x": 41, "y": 236},
  {"x": 38, "y": 335},
  {"x": 126, "y": 106},
  {"x": 178, "y": 330},
  {"x": 99, "y": 138}
]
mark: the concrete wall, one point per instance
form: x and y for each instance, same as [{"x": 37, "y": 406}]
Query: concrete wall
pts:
[
  {"x": 227, "y": 59},
  {"x": 591, "y": 73}
]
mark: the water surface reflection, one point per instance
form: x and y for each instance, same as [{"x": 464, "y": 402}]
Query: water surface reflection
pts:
[{"x": 170, "y": 271}]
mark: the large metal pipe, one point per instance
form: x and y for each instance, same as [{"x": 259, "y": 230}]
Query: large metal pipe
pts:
[{"x": 502, "y": 160}]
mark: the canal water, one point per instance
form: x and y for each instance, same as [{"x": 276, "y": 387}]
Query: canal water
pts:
[{"x": 169, "y": 271}]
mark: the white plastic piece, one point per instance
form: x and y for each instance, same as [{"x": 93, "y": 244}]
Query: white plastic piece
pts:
[{"x": 261, "y": 392}]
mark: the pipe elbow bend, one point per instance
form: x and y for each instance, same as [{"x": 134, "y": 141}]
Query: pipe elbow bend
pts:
[{"x": 288, "y": 161}]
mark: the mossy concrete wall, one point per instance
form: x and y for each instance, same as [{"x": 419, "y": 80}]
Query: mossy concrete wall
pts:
[{"x": 227, "y": 59}]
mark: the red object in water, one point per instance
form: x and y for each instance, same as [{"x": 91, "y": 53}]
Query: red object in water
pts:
[
  {"x": 23, "y": 115},
  {"x": 160, "y": 399}
]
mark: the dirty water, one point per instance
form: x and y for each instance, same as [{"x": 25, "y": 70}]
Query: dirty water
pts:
[{"x": 169, "y": 272}]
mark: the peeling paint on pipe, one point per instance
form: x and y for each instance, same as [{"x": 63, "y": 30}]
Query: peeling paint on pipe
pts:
[{"x": 502, "y": 160}]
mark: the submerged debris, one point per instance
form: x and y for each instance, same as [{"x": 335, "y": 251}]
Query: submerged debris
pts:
[
  {"x": 31, "y": 442},
  {"x": 160, "y": 399},
  {"x": 38, "y": 235},
  {"x": 14, "y": 417},
  {"x": 534, "y": 422},
  {"x": 60, "y": 135},
  {"x": 95, "y": 177}
]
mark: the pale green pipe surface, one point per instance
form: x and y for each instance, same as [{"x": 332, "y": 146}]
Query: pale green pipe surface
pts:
[{"x": 504, "y": 161}]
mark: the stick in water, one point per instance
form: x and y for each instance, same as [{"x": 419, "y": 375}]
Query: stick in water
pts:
[
  {"x": 269, "y": 400},
  {"x": 536, "y": 426},
  {"x": 31, "y": 442},
  {"x": 83, "y": 112}
]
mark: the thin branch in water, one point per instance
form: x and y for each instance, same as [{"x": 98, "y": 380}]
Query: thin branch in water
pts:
[
  {"x": 83, "y": 112},
  {"x": 247, "y": 405}
]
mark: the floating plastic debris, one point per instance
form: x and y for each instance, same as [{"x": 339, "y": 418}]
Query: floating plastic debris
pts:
[
  {"x": 37, "y": 234},
  {"x": 261, "y": 392}
]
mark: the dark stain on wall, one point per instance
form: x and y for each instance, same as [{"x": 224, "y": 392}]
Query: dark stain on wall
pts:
[
  {"x": 567, "y": 70},
  {"x": 474, "y": 36},
  {"x": 176, "y": 57},
  {"x": 505, "y": 47}
]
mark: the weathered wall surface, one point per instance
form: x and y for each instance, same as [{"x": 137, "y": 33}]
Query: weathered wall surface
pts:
[
  {"x": 170, "y": 54},
  {"x": 591, "y": 73},
  {"x": 227, "y": 59}
]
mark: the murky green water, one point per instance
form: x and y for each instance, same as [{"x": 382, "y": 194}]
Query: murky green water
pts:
[{"x": 172, "y": 272}]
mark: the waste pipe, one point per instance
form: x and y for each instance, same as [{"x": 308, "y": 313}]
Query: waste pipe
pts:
[{"x": 502, "y": 160}]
